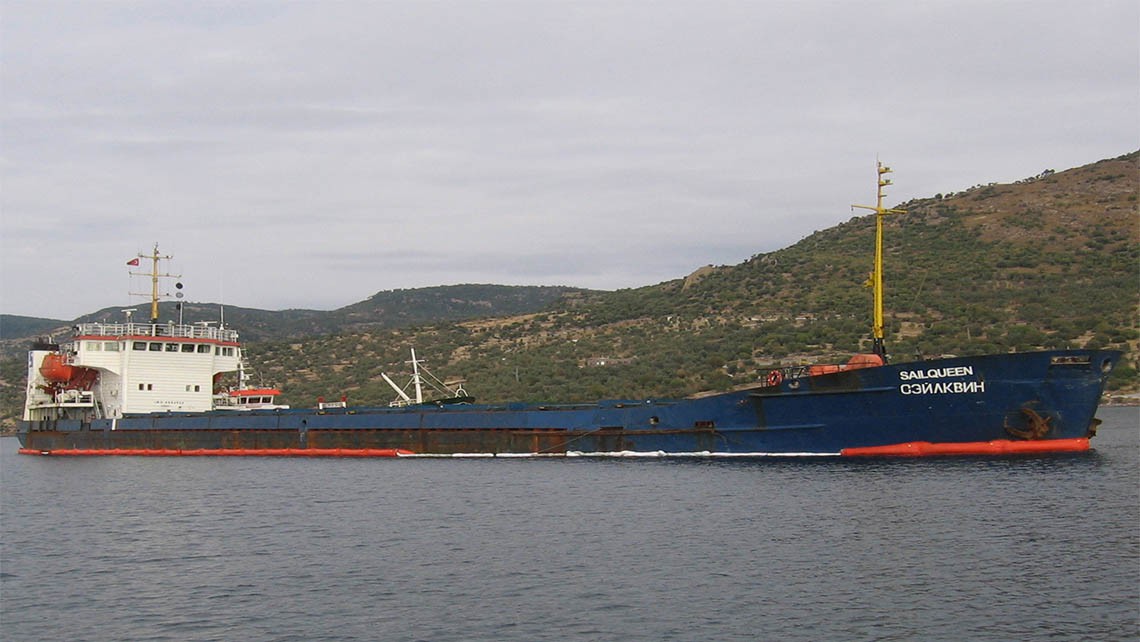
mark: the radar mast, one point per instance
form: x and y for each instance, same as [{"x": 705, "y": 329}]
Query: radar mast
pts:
[
  {"x": 154, "y": 257},
  {"x": 876, "y": 280}
]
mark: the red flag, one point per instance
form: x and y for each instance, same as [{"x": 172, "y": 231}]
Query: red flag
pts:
[{"x": 133, "y": 262}]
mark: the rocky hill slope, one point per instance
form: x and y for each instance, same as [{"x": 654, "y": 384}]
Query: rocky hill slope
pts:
[{"x": 1051, "y": 261}]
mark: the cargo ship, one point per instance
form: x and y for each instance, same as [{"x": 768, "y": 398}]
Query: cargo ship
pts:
[{"x": 152, "y": 389}]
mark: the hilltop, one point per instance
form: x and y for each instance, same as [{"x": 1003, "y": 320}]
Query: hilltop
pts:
[
  {"x": 385, "y": 309},
  {"x": 1049, "y": 261}
]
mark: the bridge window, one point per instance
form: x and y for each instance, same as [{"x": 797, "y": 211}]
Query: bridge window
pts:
[
  {"x": 139, "y": 345},
  {"x": 188, "y": 347},
  {"x": 111, "y": 346},
  {"x": 172, "y": 347},
  {"x": 203, "y": 349},
  {"x": 155, "y": 347}
]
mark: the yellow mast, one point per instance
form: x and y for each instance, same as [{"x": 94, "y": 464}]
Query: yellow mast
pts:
[
  {"x": 877, "y": 274},
  {"x": 154, "y": 275}
]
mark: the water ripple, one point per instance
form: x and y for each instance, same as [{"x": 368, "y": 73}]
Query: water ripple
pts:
[{"x": 575, "y": 549}]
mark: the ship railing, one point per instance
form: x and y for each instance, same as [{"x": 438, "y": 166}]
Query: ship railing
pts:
[
  {"x": 173, "y": 330},
  {"x": 75, "y": 399}
]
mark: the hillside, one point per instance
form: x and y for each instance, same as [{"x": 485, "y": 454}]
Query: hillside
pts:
[
  {"x": 18, "y": 327},
  {"x": 1050, "y": 261},
  {"x": 386, "y": 309}
]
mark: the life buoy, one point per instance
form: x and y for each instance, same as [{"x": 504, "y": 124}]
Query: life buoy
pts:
[{"x": 775, "y": 377}]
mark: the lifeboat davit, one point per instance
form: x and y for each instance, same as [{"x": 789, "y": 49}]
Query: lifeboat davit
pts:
[{"x": 58, "y": 371}]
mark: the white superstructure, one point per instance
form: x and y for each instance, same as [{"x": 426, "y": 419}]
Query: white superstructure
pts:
[{"x": 108, "y": 369}]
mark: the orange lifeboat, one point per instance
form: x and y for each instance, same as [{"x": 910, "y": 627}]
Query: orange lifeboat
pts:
[
  {"x": 854, "y": 363},
  {"x": 255, "y": 392},
  {"x": 58, "y": 371},
  {"x": 864, "y": 361}
]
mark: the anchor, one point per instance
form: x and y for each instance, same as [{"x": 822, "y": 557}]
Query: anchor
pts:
[{"x": 1038, "y": 426}]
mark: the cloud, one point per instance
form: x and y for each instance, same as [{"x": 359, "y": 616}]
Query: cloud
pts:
[{"x": 308, "y": 154}]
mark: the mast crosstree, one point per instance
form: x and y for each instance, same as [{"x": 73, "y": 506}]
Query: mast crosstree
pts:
[{"x": 154, "y": 257}]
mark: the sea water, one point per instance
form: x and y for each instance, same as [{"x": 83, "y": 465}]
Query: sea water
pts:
[{"x": 123, "y": 548}]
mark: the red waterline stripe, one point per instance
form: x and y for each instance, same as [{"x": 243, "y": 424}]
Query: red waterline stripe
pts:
[
  {"x": 223, "y": 452},
  {"x": 996, "y": 447}
]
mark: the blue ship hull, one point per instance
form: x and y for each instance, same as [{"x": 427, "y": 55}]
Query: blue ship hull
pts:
[{"x": 1041, "y": 400}]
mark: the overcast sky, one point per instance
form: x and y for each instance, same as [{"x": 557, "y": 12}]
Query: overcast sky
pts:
[{"x": 311, "y": 153}]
